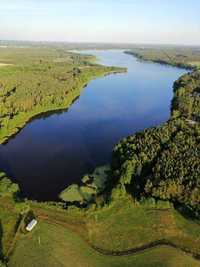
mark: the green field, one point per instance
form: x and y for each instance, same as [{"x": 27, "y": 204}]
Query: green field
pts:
[
  {"x": 138, "y": 232},
  {"x": 116, "y": 228},
  {"x": 125, "y": 225},
  {"x": 55, "y": 246}
]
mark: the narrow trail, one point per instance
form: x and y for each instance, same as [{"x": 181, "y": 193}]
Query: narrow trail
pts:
[{"x": 128, "y": 252}]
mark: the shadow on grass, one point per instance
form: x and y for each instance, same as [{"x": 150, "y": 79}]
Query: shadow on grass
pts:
[
  {"x": 1, "y": 245},
  {"x": 187, "y": 212}
]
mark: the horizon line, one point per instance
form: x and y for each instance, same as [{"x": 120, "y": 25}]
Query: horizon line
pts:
[{"x": 97, "y": 43}]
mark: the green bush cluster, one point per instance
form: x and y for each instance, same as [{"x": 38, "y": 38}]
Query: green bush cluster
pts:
[
  {"x": 7, "y": 188},
  {"x": 92, "y": 185}
]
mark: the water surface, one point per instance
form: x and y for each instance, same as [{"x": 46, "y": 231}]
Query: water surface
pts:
[{"x": 54, "y": 151}]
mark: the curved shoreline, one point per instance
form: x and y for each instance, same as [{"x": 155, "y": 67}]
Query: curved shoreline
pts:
[
  {"x": 78, "y": 90},
  {"x": 66, "y": 105},
  {"x": 161, "y": 62}
]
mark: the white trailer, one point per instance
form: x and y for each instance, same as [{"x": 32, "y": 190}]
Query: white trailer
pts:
[{"x": 31, "y": 225}]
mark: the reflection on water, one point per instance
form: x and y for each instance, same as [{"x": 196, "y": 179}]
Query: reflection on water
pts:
[{"x": 57, "y": 148}]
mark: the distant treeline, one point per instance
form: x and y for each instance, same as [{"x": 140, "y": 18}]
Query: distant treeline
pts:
[{"x": 182, "y": 57}]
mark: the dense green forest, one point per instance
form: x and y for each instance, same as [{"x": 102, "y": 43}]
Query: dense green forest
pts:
[
  {"x": 36, "y": 80},
  {"x": 186, "y": 101}
]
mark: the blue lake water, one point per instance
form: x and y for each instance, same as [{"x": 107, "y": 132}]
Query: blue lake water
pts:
[{"x": 54, "y": 151}]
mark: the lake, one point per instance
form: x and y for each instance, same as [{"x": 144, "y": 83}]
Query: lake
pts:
[{"x": 56, "y": 150}]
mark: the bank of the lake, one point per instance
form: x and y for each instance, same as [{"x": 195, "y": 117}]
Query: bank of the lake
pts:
[
  {"x": 16, "y": 123},
  {"x": 157, "y": 58}
]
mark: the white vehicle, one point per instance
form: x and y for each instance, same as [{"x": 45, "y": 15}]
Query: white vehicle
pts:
[{"x": 31, "y": 225}]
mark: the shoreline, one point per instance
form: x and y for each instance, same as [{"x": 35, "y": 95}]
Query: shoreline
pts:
[
  {"x": 66, "y": 105},
  {"x": 161, "y": 62}
]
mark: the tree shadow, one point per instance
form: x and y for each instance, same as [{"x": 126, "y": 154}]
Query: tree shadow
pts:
[
  {"x": 187, "y": 212},
  {"x": 1, "y": 245}
]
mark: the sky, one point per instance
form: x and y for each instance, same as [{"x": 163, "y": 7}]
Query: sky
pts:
[{"x": 105, "y": 21}]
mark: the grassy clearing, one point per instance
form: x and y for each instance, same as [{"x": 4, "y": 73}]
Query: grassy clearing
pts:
[
  {"x": 54, "y": 246},
  {"x": 61, "y": 237},
  {"x": 122, "y": 226},
  {"x": 65, "y": 237},
  {"x": 125, "y": 225}
]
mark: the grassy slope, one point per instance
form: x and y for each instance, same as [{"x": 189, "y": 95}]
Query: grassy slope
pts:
[
  {"x": 58, "y": 239},
  {"x": 54, "y": 246},
  {"x": 125, "y": 225}
]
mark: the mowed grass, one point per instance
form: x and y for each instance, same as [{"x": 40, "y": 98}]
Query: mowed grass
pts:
[
  {"x": 55, "y": 246},
  {"x": 64, "y": 238},
  {"x": 125, "y": 225},
  {"x": 8, "y": 223}
]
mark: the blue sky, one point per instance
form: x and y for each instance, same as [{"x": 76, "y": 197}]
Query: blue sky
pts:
[{"x": 128, "y": 21}]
